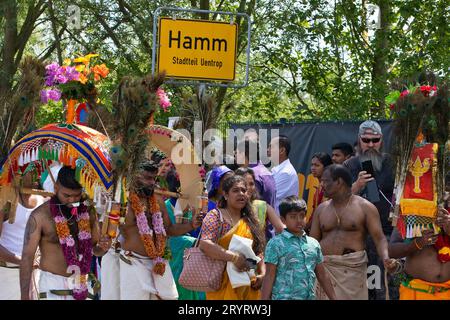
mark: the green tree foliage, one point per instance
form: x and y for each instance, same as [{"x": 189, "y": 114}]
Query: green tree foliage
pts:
[{"x": 311, "y": 59}]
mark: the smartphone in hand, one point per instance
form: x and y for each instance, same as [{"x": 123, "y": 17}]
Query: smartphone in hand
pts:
[{"x": 368, "y": 167}]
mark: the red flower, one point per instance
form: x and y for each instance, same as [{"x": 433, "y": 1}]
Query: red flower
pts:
[
  {"x": 404, "y": 93},
  {"x": 425, "y": 90}
]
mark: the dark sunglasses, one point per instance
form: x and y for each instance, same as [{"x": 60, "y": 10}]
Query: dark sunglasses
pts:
[{"x": 367, "y": 140}]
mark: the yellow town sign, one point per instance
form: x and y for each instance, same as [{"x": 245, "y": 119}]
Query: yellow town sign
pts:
[{"x": 197, "y": 49}]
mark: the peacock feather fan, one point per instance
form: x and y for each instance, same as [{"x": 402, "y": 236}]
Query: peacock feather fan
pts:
[
  {"x": 134, "y": 103},
  {"x": 19, "y": 107},
  {"x": 420, "y": 110}
]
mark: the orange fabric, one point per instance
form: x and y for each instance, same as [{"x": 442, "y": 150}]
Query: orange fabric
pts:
[
  {"x": 319, "y": 197},
  {"x": 71, "y": 111},
  {"x": 226, "y": 292},
  {"x": 411, "y": 294}
]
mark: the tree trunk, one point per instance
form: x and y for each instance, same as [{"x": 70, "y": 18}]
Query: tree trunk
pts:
[
  {"x": 9, "y": 47},
  {"x": 379, "y": 68}
]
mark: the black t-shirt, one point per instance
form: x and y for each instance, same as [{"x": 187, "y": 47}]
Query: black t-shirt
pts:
[{"x": 385, "y": 181}]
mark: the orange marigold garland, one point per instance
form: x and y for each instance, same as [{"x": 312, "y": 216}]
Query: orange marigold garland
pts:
[{"x": 154, "y": 238}]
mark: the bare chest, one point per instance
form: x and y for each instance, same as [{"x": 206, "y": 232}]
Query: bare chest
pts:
[
  {"x": 49, "y": 233},
  {"x": 347, "y": 220}
]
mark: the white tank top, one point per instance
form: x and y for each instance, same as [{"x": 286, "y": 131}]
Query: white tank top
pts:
[{"x": 13, "y": 234}]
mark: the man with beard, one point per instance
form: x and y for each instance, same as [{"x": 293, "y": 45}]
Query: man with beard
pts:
[
  {"x": 144, "y": 272},
  {"x": 67, "y": 235},
  {"x": 369, "y": 146}
]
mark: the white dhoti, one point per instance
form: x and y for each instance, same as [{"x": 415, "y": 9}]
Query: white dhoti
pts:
[
  {"x": 9, "y": 282},
  {"x": 110, "y": 276},
  {"x": 49, "y": 281},
  {"x": 139, "y": 282}
]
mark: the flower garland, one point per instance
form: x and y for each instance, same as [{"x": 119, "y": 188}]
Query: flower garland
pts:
[
  {"x": 81, "y": 259},
  {"x": 154, "y": 239}
]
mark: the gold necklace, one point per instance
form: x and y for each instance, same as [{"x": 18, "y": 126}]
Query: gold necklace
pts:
[
  {"x": 229, "y": 216},
  {"x": 335, "y": 211}
]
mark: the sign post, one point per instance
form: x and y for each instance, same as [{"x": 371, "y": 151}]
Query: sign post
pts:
[
  {"x": 193, "y": 51},
  {"x": 197, "y": 49}
]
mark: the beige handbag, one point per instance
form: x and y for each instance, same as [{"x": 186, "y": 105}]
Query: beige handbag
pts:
[{"x": 200, "y": 272}]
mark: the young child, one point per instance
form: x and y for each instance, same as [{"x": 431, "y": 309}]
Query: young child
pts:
[{"x": 293, "y": 260}]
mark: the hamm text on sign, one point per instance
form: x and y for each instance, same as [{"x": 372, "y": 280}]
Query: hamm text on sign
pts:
[{"x": 197, "y": 49}]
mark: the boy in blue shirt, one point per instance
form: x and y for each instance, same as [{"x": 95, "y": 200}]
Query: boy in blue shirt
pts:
[{"x": 293, "y": 260}]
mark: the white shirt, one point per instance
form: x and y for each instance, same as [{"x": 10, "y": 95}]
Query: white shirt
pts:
[
  {"x": 13, "y": 234},
  {"x": 286, "y": 181}
]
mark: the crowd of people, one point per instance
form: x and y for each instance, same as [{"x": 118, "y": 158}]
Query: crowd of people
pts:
[{"x": 324, "y": 255}]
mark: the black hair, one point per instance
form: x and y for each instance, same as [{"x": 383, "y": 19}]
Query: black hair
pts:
[
  {"x": 324, "y": 158},
  {"x": 247, "y": 214},
  {"x": 249, "y": 145},
  {"x": 172, "y": 181},
  {"x": 243, "y": 171},
  {"x": 290, "y": 204},
  {"x": 339, "y": 171},
  {"x": 345, "y": 147},
  {"x": 66, "y": 178},
  {"x": 149, "y": 165},
  {"x": 284, "y": 142}
]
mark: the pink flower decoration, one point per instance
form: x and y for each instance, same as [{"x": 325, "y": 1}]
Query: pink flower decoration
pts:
[
  {"x": 202, "y": 171},
  {"x": 164, "y": 101},
  {"x": 142, "y": 223},
  {"x": 158, "y": 224},
  {"x": 404, "y": 93},
  {"x": 59, "y": 219},
  {"x": 83, "y": 235},
  {"x": 70, "y": 242},
  {"x": 84, "y": 215},
  {"x": 159, "y": 260}
]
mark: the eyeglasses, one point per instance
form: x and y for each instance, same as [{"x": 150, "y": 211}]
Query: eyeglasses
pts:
[{"x": 367, "y": 140}]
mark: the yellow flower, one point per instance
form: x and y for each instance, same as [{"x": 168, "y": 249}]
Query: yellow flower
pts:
[
  {"x": 80, "y": 67},
  {"x": 86, "y": 58},
  {"x": 67, "y": 62}
]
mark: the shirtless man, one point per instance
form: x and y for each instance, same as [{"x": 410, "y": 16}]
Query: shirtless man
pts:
[
  {"x": 428, "y": 277},
  {"x": 137, "y": 279},
  {"x": 41, "y": 231},
  {"x": 341, "y": 225}
]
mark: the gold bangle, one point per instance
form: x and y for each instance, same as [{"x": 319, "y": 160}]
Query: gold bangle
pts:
[
  {"x": 417, "y": 245},
  {"x": 235, "y": 257}
]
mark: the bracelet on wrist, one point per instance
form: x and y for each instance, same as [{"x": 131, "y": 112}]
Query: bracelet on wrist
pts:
[
  {"x": 235, "y": 257},
  {"x": 417, "y": 245}
]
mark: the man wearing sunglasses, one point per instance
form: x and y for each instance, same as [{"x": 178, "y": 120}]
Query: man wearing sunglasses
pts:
[{"x": 369, "y": 148}]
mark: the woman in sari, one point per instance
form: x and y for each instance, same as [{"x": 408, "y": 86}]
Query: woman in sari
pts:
[
  {"x": 264, "y": 211},
  {"x": 237, "y": 219},
  {"x": 319, "y": 162}
]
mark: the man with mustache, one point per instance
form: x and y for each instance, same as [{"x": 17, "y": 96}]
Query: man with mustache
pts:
[
  {"x": 369, "y": 147},
  {"x": 67, "y": 234},
  {"x": 139, "y": 277}
]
